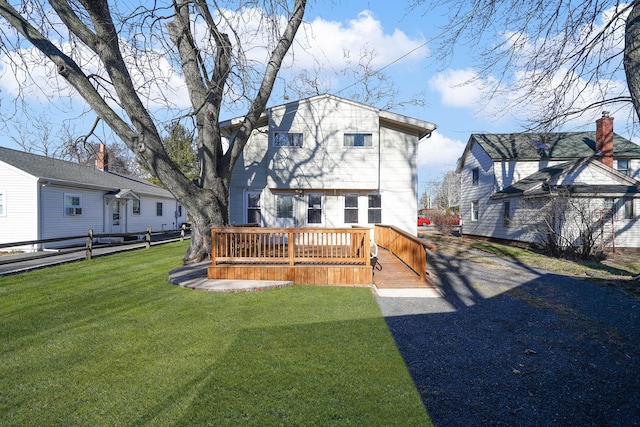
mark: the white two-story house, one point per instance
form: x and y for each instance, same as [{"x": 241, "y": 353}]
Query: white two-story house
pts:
[
  {"x": 505, "y": 176},
  {"x": 326, "y": 161}
]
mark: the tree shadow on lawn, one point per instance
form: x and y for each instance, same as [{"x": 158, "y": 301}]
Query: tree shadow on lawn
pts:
[{"x": 506, "y": 346}]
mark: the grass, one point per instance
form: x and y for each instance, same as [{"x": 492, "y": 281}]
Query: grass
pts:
[
  {"x": 110, "y": 342},
  {"x": 613, "y": 268}
]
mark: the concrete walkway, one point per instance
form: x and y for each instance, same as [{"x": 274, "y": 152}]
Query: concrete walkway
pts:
[{"x": 195, "y": 277}]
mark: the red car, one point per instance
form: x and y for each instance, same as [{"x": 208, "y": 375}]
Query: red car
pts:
[{"x": 422, "y": 221}]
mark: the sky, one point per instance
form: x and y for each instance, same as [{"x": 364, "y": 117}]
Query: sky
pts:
[{"x": 338, "y": 31}]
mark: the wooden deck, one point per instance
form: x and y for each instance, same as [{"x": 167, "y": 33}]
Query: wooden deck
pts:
[
  {"x": 395, "y": 274},
  {"x": 319, "y": 256}
]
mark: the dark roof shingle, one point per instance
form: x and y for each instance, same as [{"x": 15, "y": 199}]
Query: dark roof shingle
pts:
[
  {"x": 47, "y": 168},
  {"x": 558, "y": 145}
]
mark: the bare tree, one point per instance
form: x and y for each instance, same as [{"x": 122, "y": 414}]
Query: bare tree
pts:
[
  {"x": 448, "y": 194},
  {"x": 569, "y": 57},
  {"x": 564, "y": 225},
  {"x": 111, "y": 56}
]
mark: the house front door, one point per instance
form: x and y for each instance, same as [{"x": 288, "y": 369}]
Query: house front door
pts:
[{"x": 116, "y": 207}]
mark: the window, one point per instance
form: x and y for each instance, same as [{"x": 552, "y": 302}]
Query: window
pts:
[
  {"x": 475, "y": 176},
  {"x": 179, "y": 211},
  {"x": 351, "y": 208},
  {"x": 284, "y": 206},
  {"x": 358, "y": 140},
  {"x": 136, "y": 206},
  {"x": 314, "y": 208},
  {"x": 3, "y": 203},
  {"x": 287, "y": 139},
  {"x": 375, "y": 209},
  {"x": 158, "y": 208},
  {"x": 623, "y": 167},
  {"x": 254, "y": 209},
  {"x": 609, "y": 207},
  {"x": 475, "y": 213},
  {"x": 72, "y": 205},
  {"x": 506, "y": 213},
  {"x": 628, "y": 208}
]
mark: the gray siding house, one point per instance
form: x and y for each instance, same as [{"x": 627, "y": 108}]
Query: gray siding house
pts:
[
  {"x": 505, "y": 176},
  {"x": 326, "y": 161},
  {"x": 43, "y": 198}
]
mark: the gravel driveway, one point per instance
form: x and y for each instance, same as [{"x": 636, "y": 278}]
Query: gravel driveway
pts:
[{"x": 511, "y": 345}]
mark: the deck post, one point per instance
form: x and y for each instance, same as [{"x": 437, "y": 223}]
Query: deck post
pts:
[
  {"x": 291, "y": 248},
  {"x": 214, "y": 245}
]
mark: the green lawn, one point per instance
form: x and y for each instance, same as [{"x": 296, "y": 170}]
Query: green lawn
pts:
[{"x": 111, "y": 342}]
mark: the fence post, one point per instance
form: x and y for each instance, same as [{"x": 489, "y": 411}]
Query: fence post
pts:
[
  {"x": 148, "y": 238},
  {"x": 89, "y": 246},
  {"x": 182, "y": 228}
]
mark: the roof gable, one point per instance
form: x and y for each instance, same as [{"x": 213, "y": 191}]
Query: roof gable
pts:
[
  {"x": 74, "y": 174},
  {"x": 420, "y": 127},
  {"x": 544, "y": 180}
]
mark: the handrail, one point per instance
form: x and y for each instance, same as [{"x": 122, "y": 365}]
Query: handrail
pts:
[
  {"x": 289, "y": 245},
  {"x": 410, "y": 249}
]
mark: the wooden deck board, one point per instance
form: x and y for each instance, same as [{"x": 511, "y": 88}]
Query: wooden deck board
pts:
[{"x": 395, "y": 274}]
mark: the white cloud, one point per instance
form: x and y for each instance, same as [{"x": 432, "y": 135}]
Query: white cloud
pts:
[
  {"x": 439, "y": 154},
  {"x": 458, "y": 88},
  {"x": 328, "y": 41}
]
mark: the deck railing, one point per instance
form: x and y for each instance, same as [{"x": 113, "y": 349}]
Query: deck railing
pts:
[
  {"x": 405, "y": 246},
  {"x": 290, "y": 245}
]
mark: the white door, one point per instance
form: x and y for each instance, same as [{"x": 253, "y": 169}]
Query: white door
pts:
[
  {"x": 286, "y": 210},
  {"x": 116, "y": 207},
  {"x": 253, "y": 207}
]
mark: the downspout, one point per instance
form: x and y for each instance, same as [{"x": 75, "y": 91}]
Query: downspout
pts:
[
  {"x": 40, "y": 212},
  {"x": 379, "y": 153}
]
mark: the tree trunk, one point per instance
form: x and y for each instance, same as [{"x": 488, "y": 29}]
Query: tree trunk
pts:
[
  {"x": 209, "y": 210},
  {"x": 632, "y": 55}
]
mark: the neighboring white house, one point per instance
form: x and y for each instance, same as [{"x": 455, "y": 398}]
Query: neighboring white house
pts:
[
  {"x": 44, "y": 198},
  {"x": 505, "y": 176},
  {"x": 326, "y": 161}
]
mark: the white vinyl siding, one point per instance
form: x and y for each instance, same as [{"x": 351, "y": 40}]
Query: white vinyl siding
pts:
[
  {"x": 3, "y": 202},
  {"x": 19, "y": 221},
  {"x": 383, "y": 162}
]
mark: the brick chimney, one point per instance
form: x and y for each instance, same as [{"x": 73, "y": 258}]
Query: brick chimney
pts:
[
  {"x": 604, "y": 138},
  {"x": 102, "y": 159}
]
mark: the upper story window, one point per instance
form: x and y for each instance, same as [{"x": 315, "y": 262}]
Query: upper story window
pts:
[
  {"x": 158, "y": 208},
  {"x": 623, "y": 167},
  {"x": 358, "y": 140},
  {"x": 72, "y": 204},
  {"x": 287, "y": 139},
  {"x": 475, "y": 176}
]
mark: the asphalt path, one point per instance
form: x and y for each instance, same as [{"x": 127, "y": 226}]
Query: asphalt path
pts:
[{"x": 512, "y": 345}]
